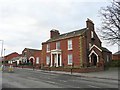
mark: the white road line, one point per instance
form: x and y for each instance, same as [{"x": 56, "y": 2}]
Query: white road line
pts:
[
  {"x": 62, "y": 80},
  {"x": 93, "y": 86},
  {"x": 50, "y": 82}
]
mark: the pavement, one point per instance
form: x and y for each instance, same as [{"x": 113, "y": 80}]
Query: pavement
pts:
[{"x": 110, "y": 74}]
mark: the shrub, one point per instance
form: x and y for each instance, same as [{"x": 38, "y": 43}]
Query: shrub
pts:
[{"x": 115, "y": 63}]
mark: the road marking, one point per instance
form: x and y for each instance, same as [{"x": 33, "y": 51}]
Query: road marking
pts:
[
  {"x": 62, "y": 80},
  {"x": 50, "y": 82},
  {"x": 93, "y": 86}
]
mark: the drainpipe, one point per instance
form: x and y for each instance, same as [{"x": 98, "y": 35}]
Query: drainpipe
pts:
[{"x": 86, "y": 50}]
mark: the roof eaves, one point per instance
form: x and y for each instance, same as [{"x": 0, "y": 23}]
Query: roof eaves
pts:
[{"x": 81, "y": 32}]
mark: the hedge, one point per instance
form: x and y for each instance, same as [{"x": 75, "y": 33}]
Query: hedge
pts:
[{"x": 115, "y": 63}]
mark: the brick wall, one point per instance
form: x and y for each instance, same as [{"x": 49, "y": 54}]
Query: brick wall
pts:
[
  {"x": 77, "y": 70},
  {"x": 116, "y": 57},
  {"x": 64, "y": 47}
]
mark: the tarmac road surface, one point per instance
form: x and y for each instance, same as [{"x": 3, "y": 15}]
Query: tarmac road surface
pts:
[{"x": 25, "y": 78}]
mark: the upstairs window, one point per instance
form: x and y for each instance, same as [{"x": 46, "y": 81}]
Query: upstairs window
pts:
[
  {"x": 69, "y": 44},
  {"x": 57, "y": 45},
  {"x": 92, "y": 34},
  {"x": 89, "y": 46},
  {"x": 48, "y": 48},
  {"x": 107, "y": 58}
]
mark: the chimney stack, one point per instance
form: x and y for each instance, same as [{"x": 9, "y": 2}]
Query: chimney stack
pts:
[
  {"x": 54, "y": 33},
  {"x": 90, "y": 24}
]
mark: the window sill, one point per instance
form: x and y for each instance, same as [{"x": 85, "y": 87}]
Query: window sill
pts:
[
  {"x": 70, "y": 49},
  {"x": 69, "y": 63},
  {"x": 48, "y": 51}
]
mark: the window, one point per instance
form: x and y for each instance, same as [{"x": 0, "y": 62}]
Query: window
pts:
[
  {"x": 48, "y": 47},
  {"x": 37, "y": 60},
  {"x": 92, "y": 36},
  {"x": 69, "y": 44},
  {"x": 107, "y": 58},
  {"x": 9, "y": 62},
  {"x": 57, "y": 45},
  {"x": 47, "y": 60},
  {"x": 70, "y": 59},
  {"x": 89, "y": 46}
]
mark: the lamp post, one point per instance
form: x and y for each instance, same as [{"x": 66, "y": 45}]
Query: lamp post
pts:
[
  {"x": 2, "y": 47},
  {"x": 4, "y": 52}
]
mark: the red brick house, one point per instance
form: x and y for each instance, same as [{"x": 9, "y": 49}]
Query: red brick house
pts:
[
  {"x": 116, "y": 56},
  {"x": 31, "y": 56},
  {"x": 8, "y": 59},
  {"x": 79, "y": 48}
]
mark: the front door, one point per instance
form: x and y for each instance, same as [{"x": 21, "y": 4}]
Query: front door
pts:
[
  {"x": 94, "y": 59},
  {"x": 58, "y": 59},
  {"x": 55, "y": 60}
]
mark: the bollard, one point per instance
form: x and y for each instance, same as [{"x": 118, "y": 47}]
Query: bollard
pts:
[
  {"x": 71, "y": 70},
  {"x": 72, "y": 67},
  {"x": 49, "y": 67},
  {"x": 33, "y": 67}
]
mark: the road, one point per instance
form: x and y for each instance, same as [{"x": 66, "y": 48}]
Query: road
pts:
[{"x": 26, "y": 78}]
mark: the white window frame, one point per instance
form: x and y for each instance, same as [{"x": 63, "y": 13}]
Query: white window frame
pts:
[
  {"x": 47, "y": 60},
  {"x": 48, "y": 48},
  {"x": 107, "y": 58},
  {"x": 90, "y": 45},
  {"x": 57, "y": 45},
  {"x": 70, "y": 59},
  {"x": 10, "y": 62},
  {"x": 92, "y": 34},
  {"x": 70, "y": 44},
  {"x": 37, "y": 60}
]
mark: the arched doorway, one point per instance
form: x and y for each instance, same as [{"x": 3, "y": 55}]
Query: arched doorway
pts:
[
  {"x": 31, "y": 60},
  {"x": 94, "y": 59}
]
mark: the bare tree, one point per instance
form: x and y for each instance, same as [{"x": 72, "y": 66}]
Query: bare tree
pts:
[{"x": 110, "y": 29}]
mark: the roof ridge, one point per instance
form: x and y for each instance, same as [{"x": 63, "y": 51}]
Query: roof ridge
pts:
[
  {"x": 73, "y": 31},
  {"x": 118, "y": 52},
  {"x": 32, "y": 49},
  {"x": 67, "y": 35},
  {"x": 12, "y": 53}
]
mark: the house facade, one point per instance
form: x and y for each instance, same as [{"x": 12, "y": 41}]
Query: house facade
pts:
[
  {"x": 11, "y": 59},
  {"x": 31, "y": 56},
  {"x": 79, "y": 48}
]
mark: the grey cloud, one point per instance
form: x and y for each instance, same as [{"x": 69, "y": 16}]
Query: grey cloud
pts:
[{"x": 26, "y": 23}]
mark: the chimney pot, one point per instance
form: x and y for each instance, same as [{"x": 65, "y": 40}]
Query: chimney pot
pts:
[
  {"x": 90, "y": 24},
  {"x": 54, "y": 33}
]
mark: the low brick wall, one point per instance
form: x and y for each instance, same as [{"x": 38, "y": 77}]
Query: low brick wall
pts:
[
  {"x": 25, "y": 66},
  {"x": 78, "y": 70}
]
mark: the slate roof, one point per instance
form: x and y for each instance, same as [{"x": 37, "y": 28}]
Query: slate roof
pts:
[
  {"x": 105, "y": 49},
  {"x": 117, "y": 53},
  {"x": 67, "y": 35},
  {"x": 11, "y": 55},
  {"x": 32, "y": 49}
]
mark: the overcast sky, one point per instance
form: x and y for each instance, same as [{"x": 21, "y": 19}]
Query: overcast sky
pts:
[{"x": 27, "y": 23}]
